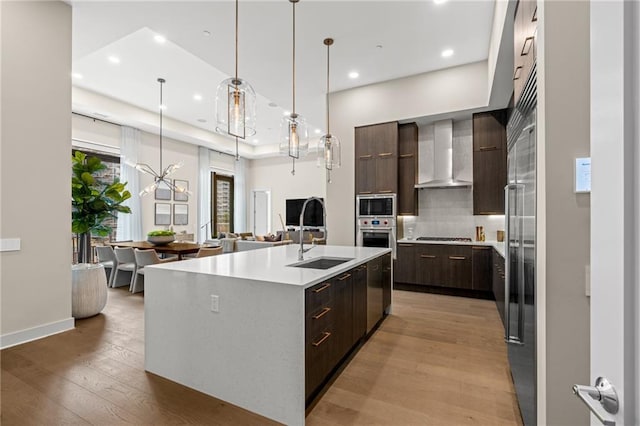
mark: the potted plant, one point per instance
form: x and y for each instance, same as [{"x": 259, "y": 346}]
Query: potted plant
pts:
[
  {"x": 93, "y": 202},
  {"x": 160, "y": 237}
]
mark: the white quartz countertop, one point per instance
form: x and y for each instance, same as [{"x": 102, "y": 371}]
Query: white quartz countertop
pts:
[
  {"x": 499, "y": 246},
  {"x": 272, "y": 264}
]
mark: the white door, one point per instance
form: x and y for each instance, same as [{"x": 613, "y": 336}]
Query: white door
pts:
[
  {"x": 261, "y": 212},
  {"x": 614, "y": 203}
]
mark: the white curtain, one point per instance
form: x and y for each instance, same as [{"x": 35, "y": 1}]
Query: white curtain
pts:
[
  {"x": 240, "y": 198},
  {"x": 130, "y": 225},
  {"x": 204, "y": 195}
]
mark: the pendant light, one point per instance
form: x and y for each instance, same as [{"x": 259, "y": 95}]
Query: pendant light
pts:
[
  {"x": 329, "y": 146},
  {"x": 163, "y": 174},
  {"x": 293, "y": 128},
  {"x": 236, "y": 104}
]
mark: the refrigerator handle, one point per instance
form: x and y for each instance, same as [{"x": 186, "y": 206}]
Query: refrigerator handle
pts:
[
  {"x": 507, "y": 227},
  {"x": 521, "y": 271},
  {"x": 508, "y": 337}
]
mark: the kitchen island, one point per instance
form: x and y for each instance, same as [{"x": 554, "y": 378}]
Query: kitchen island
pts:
[{"x": 252, "y": 330}]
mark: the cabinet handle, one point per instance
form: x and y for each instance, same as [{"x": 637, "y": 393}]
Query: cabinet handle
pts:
[
  {"x": 488, "y": 148},
  {"x": 386, "y": 191},
  {"x": 344, "y": 277},
  {"x": 321, "y": 341},
  {"x": 427, "y": 256},
  {"x": 457, "y": 257},
  {"x": 365, "y": 192},
  {"x": 528, "y": 42},
  {"x": 364, "y": 157},
  {"x": 481, "y": 248},
  {"x": 406, "y": 155},
  {"x": 517, "y": 72},
  {"x": 405, "y": 245},
  {"x": 323, "y": 288},
  {"x": 324, "y": 312},
  {"x": 385, "y": 154},
  {"x": 406, "y": 214}
]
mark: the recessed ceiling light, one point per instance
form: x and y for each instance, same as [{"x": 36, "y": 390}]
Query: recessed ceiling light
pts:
[
  {"x": 317, "y": 131},
  {"x": 206, "y": 33},
  {"x": 447, "y": 52},
  {"x": 440, "y": 1},
  {"x": 379, "y": 46},
  {"x": 163, "y": 107},
  {"x": 273, "y": 104},
  {"x": 197, "y": 97},
  {"x": 286, "y": 113},
  {"x": 202, "y": 120},
  {"x": 160, "y": 39},
  {"x": 114, "y": 59},
  {"x": 77, "y": 76},
  {"x": 354, "y": 74},
  {"x": 256, "y": 140}
]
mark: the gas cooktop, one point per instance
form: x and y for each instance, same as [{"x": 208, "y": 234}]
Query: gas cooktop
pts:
[{"x": 460, "y": 239}]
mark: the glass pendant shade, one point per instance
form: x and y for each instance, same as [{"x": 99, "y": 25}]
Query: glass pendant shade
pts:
[
  {"x": 236, "y": 108},
  {"x": 294, "y": 137},
  {"x": 329, "y": 152}
]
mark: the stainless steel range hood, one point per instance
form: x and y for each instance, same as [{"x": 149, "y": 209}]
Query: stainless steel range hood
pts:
[{"x": 443, "y": 159}]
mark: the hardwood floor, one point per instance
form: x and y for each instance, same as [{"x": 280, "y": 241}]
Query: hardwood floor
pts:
[{"x": 436, "y": 360}]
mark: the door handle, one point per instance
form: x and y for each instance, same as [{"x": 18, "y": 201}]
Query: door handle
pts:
[{"x": 604, "y": 393}]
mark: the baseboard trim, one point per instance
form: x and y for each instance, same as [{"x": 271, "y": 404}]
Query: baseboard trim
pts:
[{"x": 30, "y": 334}]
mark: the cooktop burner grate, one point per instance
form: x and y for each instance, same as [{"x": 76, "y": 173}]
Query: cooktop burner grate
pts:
[{"x": 460, "y": 239}]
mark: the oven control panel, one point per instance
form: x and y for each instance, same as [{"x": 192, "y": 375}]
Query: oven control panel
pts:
[{"x": 373, "y": 222}]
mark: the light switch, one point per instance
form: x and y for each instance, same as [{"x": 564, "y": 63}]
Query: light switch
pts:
[
  {"x": 215, "y": 300},
  {"x": 10, "y": 244}
]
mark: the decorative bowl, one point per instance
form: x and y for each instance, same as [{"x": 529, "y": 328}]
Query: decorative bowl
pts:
[{"x": 161, "y": 239}]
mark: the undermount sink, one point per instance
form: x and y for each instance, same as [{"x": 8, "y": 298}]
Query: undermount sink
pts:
[{"x": 321, "y": 262}]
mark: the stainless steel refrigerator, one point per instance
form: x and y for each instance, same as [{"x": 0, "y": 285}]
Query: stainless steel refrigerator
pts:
[{"x": 520, "y": 218}]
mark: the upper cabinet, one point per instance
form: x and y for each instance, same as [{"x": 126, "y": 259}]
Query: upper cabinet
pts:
[
  {"x": 489, "y": 162},
  {"x": 407, "y": 169},
  {"x": 524, "y": 44},
  {"x": 376, "y": 151}
]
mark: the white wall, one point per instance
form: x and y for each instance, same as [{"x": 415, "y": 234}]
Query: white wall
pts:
[
  {"x": 274, "y": 174},
  {"x": 35, "y": 170},
  {"x": 563, "y": 217},
  {"x": 454, "y": 89},
  {"x": 107, "y": 136}
]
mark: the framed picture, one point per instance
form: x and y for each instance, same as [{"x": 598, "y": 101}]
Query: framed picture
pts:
[
  {"x": 163, "y": 192},
  {"x": 180, "y": 196},
  {"x": 163, "y": 214},
  {"x": 181, "y": 214}
]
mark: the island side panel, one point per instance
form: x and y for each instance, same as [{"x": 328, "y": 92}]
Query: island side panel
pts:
[{"x": 250, "y": 353}]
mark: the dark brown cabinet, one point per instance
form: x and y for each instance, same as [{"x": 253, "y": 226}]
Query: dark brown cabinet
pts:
[
  {"x": 407, "y": 169},
  {"x": 343, "y": 301},
  {"x": 457, "y": 266},
  {"x": 319, "y": 334},
  {"x": 376, "y": 152},
  {"x": 481, "y": 277},
  {"x": 405, "y": 267},
  {"x": 489, "y": 162},
  {"x": 524, "y": 44},
  {"x": 359, "y": 302},
  {"x": 387, "y": 279},
  {"x": 429, "y": 264}
]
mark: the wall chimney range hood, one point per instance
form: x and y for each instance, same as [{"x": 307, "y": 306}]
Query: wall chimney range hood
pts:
[{"x": 443, "y": 159}]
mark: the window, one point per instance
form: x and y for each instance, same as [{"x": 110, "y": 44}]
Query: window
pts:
[{"x": 222, "y": 203}]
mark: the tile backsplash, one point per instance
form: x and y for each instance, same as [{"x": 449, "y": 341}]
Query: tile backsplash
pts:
[{"x": 448, "y": 212}]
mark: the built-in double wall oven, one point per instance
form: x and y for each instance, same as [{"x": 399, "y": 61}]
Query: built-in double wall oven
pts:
[{"x": 376, "y": 221}]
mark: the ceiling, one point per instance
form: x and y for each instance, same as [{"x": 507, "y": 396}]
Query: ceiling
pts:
[{"x": 381, "y": 40}]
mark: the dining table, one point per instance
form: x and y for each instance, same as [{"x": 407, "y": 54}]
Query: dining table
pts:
[{"x": 177, "y": 248}]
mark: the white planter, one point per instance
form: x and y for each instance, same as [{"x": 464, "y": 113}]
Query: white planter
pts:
[{"x": 89, "y": 290}]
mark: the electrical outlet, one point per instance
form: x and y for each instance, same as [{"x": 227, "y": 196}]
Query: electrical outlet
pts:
[{"x": 215, "y": 303}]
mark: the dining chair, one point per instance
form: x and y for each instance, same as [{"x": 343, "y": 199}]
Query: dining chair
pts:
[
  {"x": 126, "y": 266},
  {"x": 209, "y": 251},
  {"x": 107, "y": 258},
  {"x": 144, "y": 258}
]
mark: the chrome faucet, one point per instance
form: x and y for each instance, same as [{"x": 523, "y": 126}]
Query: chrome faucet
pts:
[{"x": 302, "y": 250}]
